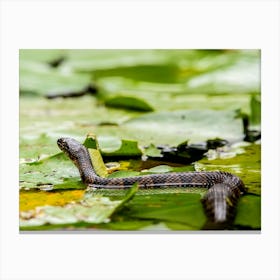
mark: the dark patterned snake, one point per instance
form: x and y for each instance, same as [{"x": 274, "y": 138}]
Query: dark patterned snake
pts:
[{"x": 224, "y": 189}]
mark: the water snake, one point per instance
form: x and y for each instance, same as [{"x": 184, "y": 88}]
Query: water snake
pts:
[{"x": 224, "y": 189}]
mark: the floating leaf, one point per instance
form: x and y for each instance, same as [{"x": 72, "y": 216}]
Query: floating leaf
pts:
[
  {"x": 160, "y": 169},
  {"x": 178, "y": 226},
  {"x": 255, "y": 105},
  {"x": 152, "y": 151},
  {"x": 130, "y": 225},
  {"x": 91, "y": 142},
  {"x": 177, "y": 126},
  {"x": 40, "y": 55},
  {"x": 129, "y": 102},
  {"x": 241, "y": 77},
  {"x": 113, "y": 146},
  {"x": 244, "y": 162},
  {"x": 97, "y": 163},
  {"x": 170, "y": 96},
  {"x": 29, "y": 200},
  {"x": 122, "y": 173},
  {"x": 93, "y": 209},
  {"x": 50, "y": 173},
  {"x": 98, "y": 211},
  {"x": 178, "y": 208},
  {"x": 249, "y": 212},
  {"x": 92, "y": 60},
  {"x": 50, "y": 81}
]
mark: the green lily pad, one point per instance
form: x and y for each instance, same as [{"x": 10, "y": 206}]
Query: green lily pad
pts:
[
  {"x": 178, "y": 226},
  {"x": 249, "y": 212},
  {"x": 123, "y": 173},
  {"x": 245, "y": 164},
  {"x": 49, "y": 174},
  {"x": 241, "y": 76},
  {"x": 98, "y": 211},
  {"x": 37, "y": 76},
  {"x": 98, "y": 163},
  {"x": 33, "y": 149},
  {"x": 40, "y": 55},
  {"x": 176, "y": 208},
  {"x": 160, "y": 169},
  {"x": 113, "y": 146},
  {"x": 129, "y": 102},
  {"x": 169, "y": 96},
  {"x": 42, "y": 80},
  {"x": 255, "y": 105},
  {"x": 152, "y": 151},
  {"x": 127, "y": 225},
  {"x": 92, "y": 209},
  {"x": 178, "y": 126},
  {"x": 93, "y": 60}
]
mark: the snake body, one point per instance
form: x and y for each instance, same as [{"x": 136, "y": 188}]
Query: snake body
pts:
[{"x": 224, "y": 189}]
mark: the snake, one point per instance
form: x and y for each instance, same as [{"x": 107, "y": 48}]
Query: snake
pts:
[{"x": 223, "y": 188}]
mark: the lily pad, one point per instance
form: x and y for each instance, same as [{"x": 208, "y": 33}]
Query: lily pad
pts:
[
  {"x": 97, "y": 163},
  {"x": 178, "y": 226},
  {"x": 255, "y": 105},
  {"x": 40, "y": 55},
  {"x": 242, "y": 76},
  {"x": 152, "y": 151},
  {"x": 249, "y": 212},
  {"x": 169, "y": 96},
  {"x": 29, "y": 200},
  {"x": 129, "y": 102},
  {"x": 245, "y": 164},
  {"x": 50, "y": 174},
  {"x": 92, "y": 60},
  {"x": 123, "y": 173},
  {"x": 178, "y": 126},
  {"x": 175, "y": 208},
  {"x": 42, "y": 80},
  {"x": 127, "y": 225},
  {"x": 37, "y": 76},
  {"x": 98, "y": 211},
  {"x": 92, "y": 210},
  {"x": 111, "y": 146}
]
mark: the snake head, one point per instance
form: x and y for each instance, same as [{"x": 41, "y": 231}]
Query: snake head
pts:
[{"x": 70, "y": 147}]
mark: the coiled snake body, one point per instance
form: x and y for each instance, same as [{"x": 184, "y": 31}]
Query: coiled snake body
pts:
[{"x": 224, "y": 189}]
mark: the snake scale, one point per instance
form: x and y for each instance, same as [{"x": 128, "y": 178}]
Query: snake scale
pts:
[{"x": 224, "y": 189}]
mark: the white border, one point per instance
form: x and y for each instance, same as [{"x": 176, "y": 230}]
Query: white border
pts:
[{"x": 140, "y": 24}]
